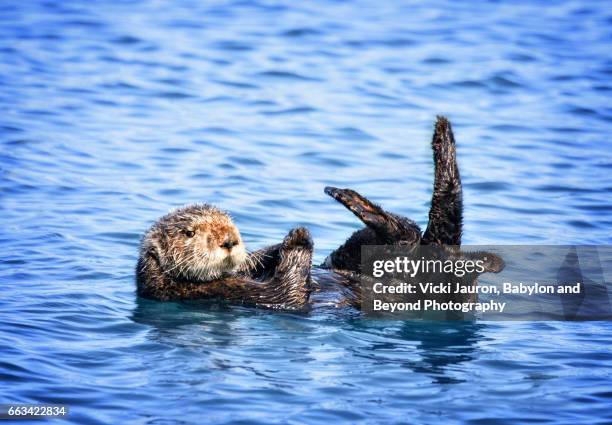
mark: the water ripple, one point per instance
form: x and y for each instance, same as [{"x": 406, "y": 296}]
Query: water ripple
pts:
[{"x": 115, "y": 112}]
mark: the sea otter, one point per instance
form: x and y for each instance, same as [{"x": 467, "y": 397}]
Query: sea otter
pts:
[
  {"x": 196, "y": 252},
  {"x": 441, "y": 237}
]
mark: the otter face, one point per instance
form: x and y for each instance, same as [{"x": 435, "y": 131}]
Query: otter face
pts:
[
  {"x": 215, "y": 248},
  {"x": 201, "y": 243}
]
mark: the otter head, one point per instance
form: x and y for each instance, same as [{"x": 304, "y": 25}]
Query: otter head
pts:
[{"x": 198, "y": 242}]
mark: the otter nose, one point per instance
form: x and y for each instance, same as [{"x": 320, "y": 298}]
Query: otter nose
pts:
[{"x": 229, "y": 244}]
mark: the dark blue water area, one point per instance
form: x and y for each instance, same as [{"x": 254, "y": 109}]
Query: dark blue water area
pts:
[{"x": 115, "y": 112}]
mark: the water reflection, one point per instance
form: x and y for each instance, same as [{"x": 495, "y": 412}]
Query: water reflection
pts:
[
  {"x": 432, "y": 349},
  {"x": 442, "y": 346},
  {"x": 207, "y": 323}
]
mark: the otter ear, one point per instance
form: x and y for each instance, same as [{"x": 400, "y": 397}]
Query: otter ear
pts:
[{"x": 492, "y": 263}]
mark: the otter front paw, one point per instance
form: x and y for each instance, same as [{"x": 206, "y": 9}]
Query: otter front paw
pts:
[{"x": 298, "y": 237}]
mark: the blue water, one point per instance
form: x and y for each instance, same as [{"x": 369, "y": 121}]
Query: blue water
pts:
[{"x": 114, "y": 112}]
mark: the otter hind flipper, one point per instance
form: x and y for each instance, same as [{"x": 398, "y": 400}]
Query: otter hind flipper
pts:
[
  {"x": 388, "y": 227},
  {"x": 371, "y": 214},
  {"x": 446, "y": 212}
]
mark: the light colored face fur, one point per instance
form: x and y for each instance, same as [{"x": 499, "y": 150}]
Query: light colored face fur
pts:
[{"x": 198, "y": 242}]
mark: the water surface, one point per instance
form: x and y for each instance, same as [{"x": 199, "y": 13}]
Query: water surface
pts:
[{"x": 115, "y": 112}]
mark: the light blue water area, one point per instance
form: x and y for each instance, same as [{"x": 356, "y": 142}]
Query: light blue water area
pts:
[{"x": 114, "y": 112}]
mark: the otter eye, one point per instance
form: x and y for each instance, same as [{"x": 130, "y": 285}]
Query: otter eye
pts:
[{"x": 189, "y": 233}]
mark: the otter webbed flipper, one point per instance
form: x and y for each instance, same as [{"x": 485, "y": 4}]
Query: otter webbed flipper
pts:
[
  {"x": 389, "y": 227},
  {"x": 382, "y": 228},
  {"x": 446, "y": 212}
]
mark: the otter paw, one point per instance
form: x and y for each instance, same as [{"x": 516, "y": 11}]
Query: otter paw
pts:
[{"x": 298, "y": 237}]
